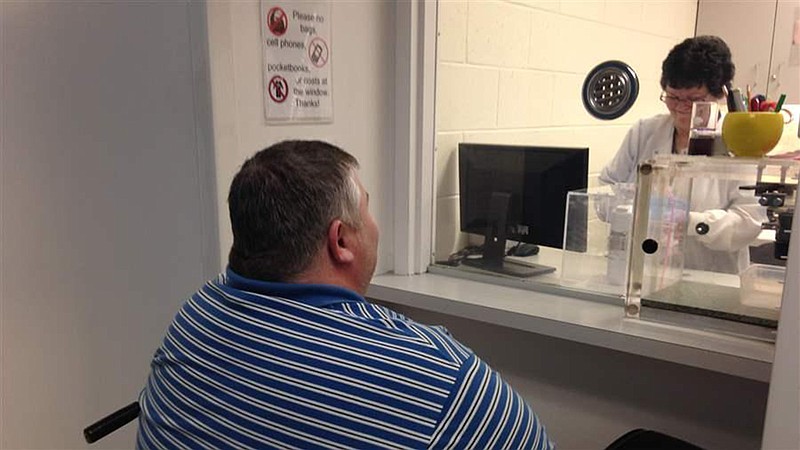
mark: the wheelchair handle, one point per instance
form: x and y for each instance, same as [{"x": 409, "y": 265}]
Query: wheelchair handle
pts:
[{"x": 111, "y": 423}]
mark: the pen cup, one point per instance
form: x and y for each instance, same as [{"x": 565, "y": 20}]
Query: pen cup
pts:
[{"x": 752, "y": 134}]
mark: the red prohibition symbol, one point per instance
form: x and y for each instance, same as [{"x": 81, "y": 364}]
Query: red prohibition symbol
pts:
[
  {"x": 277, "y": 21},
  {"x": 278, "y": 89},
  {"x": 318, "y": 52}
]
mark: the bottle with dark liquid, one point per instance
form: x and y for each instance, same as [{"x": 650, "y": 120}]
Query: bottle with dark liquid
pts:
[
  {"x": 701, "y": 145},
  {"x": 702, "y": 129}
]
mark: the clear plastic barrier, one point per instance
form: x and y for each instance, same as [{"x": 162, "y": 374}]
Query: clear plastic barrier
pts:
[
  {"x": 697, "y": 225},
  {"x": 597, "y": 234}
]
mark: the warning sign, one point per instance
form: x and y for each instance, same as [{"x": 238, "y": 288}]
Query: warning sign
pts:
[
  {"x": 296, "y": 42},
  {"x": 278, "y": 89},
  {"x": 277, "y": 21},
  {"x": 318, "y": 52}
]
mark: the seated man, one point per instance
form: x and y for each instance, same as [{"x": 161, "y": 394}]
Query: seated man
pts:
[{"x": 282, "y": 350}]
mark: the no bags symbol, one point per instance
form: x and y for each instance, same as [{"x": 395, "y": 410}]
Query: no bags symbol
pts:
[{"x": 277, "y": 21}]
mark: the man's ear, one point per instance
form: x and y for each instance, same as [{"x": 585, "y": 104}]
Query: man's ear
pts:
[{"x": 339, "y": 242}]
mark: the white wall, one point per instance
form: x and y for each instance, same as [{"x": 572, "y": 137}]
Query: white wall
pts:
[
  {"x": 107, "y": 218},
  {"x": 109, "y": 209},
  {"x": 362, "y": 58},
  {"x": 512, "y": 71}
]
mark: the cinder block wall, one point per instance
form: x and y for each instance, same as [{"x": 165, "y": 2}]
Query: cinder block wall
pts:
[{"x": 512, "y": 72}]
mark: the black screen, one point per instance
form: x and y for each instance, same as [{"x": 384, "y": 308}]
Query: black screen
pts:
[{"x": 533, "y": 181}]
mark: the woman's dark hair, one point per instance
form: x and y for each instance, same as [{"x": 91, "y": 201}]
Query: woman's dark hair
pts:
[
  {"x": 282, "y": 202},
  {"x": 697, "y": 62}
]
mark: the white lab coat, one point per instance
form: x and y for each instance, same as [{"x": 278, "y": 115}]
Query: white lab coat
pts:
[
  {"x": 734, "y": 217},
  {"x": 647, "y": 137}
]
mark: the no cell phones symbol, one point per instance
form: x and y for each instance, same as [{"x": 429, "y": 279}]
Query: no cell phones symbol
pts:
[
  {"x": 278, "y": 89},
  {"x": 277, "y": 21},
  {"x": 318, "y": 52}
]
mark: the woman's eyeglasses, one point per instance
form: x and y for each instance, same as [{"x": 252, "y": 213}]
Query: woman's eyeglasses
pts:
[{"x": 673, "y": 101}]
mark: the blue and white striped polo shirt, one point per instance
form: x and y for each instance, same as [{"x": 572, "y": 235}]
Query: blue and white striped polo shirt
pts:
[{"x": 251, "y": 364}]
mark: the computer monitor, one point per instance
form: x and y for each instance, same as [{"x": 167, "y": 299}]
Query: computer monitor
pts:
[{"x": 519, "y": 193}]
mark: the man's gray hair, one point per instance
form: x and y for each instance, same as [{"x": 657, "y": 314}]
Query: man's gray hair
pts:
[
  {"x": 350, "y": 205},
  {"x": 282, "y": 203}
]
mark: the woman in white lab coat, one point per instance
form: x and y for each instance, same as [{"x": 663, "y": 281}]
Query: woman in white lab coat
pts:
[{"x": 694, "y": 70}]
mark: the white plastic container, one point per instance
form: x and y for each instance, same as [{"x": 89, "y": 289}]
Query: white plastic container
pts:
[{"x": 762, "y": 286}]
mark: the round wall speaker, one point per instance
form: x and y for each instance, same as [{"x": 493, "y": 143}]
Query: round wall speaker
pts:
[{"x": 610, "y": 89}]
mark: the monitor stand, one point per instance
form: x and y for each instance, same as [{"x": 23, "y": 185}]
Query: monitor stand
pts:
[
  {"x": 494, "y": 244},
  {"x": 509, "y": 268}
]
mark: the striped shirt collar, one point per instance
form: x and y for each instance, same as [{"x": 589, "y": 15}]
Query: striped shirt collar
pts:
[{"x": 319, "y": 295}]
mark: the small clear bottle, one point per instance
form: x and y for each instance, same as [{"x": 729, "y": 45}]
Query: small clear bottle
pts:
[{"x": 616, "y": 270}]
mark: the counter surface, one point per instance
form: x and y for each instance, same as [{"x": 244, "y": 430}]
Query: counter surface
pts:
[{"x": 590, "y": 322}]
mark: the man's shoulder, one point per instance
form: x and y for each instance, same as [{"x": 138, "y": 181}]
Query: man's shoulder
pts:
[
  {"x": 399, "y": 330},
  {"x": 371, "y": 328}
]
